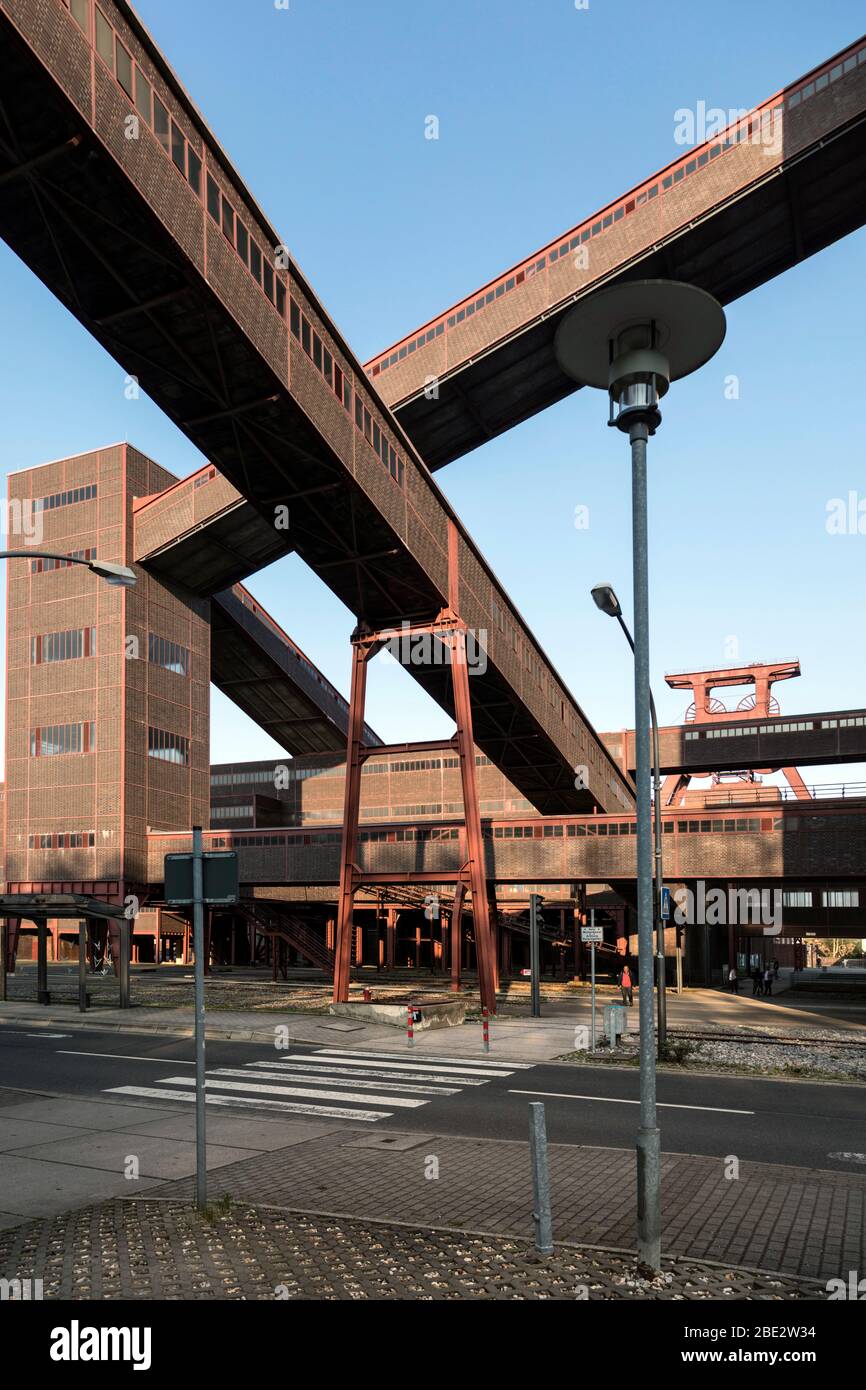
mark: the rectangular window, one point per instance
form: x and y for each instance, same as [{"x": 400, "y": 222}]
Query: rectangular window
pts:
[
  {"x": 63, "y": 646},
  {"x": 255, "y": 261},
  {"x": 338, "y": 382},
  {"x": 295, "y": 319},
  {"x": 317, "y": 351},
  {"x": 104, "y": 40},
  {"x": 228, "y": 221},
  {"x": 213, "y": 199},
  {"x": 161, "y": 123},
  {"x": 306, "y": 337},
  {"x": 280, "y": 289},
  {"x": 124, "y": 68},
  {"x": 171, "y": 656},
  {"x": 178, "y": 148},
  {"x": 268, "y": 280},
  {"x": 243, "y": 242},
  {"x": 79, "y": 13},
  {"x": 58, "y": 739},
  {"x": 167, "y": 747},
  {"x": 193, "y": 171},
  {"x": 143, "y": 96}
]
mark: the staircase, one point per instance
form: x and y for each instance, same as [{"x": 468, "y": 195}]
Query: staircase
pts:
[{"x": 278, "y": 925}]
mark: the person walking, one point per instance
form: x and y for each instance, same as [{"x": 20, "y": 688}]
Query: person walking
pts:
[
  {"x": 768, "y": 981},
  {"x": 626, "y": 985},
  {"x": 757, "y": 983},
  {"x": 733, "y": 980}
]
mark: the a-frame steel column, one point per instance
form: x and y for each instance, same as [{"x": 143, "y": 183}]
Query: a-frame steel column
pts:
[
  {"x": 361, "y": 653},
  {"x": 484, "y": 945},
  {"x": 456, "y": 927}
]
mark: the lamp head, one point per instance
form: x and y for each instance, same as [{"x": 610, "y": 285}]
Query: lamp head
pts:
[
  {"x": 606, "y": 600},
  {"x": 633, "y": 339},
  {"x": 119, "y": 575}
]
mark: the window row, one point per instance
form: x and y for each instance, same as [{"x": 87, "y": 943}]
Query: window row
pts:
[
  {"x": 44, "y": 564},
  {"x": 856, "y": 722},
  {"x": 758, "y": 127},
  {"x": 171, "y": 656},
  {"x": 63, "y": 839},
  {"x": 801, "y": 726},
  {"x": 230, "y": 812},
  {"x": 254, "y": 260},
  {"x": 65, "y": 499},
  {"x": 70, "y": 645},
  {"x": 150, "y": 107},
  {"x": 325, "y": 362},
  {"x": 167, "y": 747},
  {"x": 57, "y": 739}
]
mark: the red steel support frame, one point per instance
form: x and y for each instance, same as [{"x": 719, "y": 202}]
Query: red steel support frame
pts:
[
  {"x": 448, "y": 628},
  {"x": 362, "y": 651}
]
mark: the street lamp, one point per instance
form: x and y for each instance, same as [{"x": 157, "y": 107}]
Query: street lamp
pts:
[
  {"x": 607, "y": 601},
  {"x": 118, "y": 575},
  {"x": 632, "y": 340}
]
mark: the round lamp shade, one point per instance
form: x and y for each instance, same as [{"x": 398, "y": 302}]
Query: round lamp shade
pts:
[{"x": 689, "y": 327}]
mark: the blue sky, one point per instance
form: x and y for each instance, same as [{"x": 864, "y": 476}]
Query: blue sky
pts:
[{"x": 546, "y": 112}]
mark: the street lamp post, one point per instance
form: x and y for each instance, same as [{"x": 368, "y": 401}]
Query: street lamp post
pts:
[
  {"x": 606, "y": 599},
  {"x": 118, "y": 575},
  {"x": 632, "y": 340}
]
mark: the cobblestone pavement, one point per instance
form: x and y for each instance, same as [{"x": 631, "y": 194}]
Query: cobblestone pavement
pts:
[
  {"x": 801, "y": 1222},
  {"x": 166, "y": 1250}
]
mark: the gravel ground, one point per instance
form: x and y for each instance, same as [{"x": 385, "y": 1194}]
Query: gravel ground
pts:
[
  {"x": 166, "y": 1250},
  {"x": 818, "y": 1052}
]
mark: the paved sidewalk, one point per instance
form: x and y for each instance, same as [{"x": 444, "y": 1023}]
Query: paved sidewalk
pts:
[
  {"x": 167, "y": 1250},
  {"x": 796, "y": 1221}
]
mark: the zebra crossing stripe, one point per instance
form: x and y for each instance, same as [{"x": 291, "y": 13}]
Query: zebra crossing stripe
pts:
[
  {"x": 307, "y": 1093},
  {"x": 455, "y": 1072},
  {"x": 285, "y": 1107},
  {"x": 341, "y": 1081},
  {"x": 383, "y": 1073},
  {"x": 471, "y": 1063}
]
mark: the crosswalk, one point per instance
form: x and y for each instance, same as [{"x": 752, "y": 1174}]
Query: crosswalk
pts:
[{"x": 331, "y": 1083}]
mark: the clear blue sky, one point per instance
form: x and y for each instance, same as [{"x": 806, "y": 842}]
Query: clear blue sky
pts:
[{"x": 546, "y": 112}]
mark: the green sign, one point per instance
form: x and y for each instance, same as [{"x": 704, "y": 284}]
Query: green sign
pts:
[{"x": 220, "y": 874}]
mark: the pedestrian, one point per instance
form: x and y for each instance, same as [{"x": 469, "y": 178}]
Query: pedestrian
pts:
[
  {"x": 775, "y": 968},
  {"x": 625, "y": 984},
  {"x": 733, "y": 980},
  {"x": 757, "y": 983},
  {"x": 768, "y": 981}
]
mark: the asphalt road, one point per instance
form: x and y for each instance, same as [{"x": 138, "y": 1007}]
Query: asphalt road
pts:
[{"x": 787, "y": 1122}]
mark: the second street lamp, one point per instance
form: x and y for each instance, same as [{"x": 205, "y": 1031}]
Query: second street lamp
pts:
[{"x": 606, "y": 599}]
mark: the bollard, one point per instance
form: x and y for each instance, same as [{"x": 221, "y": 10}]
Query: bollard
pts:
[
  {"x": 541, "y": 1217},
  {"x": 367, "y": 996},
  {"x": 410, "y": 1027},
  {"x": 485, "y": 1028}
]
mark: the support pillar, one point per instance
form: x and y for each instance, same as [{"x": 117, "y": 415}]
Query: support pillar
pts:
[
  {"x": 456, "y": 926},
  {"x": 361, "y": 653},
  {"x": 13, "y": 931},
  {"x": 390, "y": 938},
  {"x": 484, "y": 943}
]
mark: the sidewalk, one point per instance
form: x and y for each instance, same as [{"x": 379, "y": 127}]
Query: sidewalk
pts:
[
  {"x": 801, "y": 1222},
  {"x": 512, "y": 1039}
]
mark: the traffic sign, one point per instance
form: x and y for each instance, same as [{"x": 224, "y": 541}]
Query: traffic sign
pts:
[
  {"x": 589, "y": 934},
  {"x": 666, "y": 903},
  {"x": 220, "y": 872}
]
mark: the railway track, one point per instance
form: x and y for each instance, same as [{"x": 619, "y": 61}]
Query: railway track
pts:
[{"x": 776, "y": 1039}]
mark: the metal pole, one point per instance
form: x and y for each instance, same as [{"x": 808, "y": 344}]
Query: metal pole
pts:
[
  {"x": 82, "y": 967},
  {"x": 42, "y": 995},
  {"x": 661, "y": 971},
  {"x": 125, "y": 945},
  {"x": 648, "y": 1140},
  {"x": 592, "y": 980},
  {"x": 534, "y": 983},
  {"x": 198, "y": 947},
  {"x": 658, "y": 883},
  {"x": 541, "y": 1216},
  {"x": 4, "y": 947}
]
